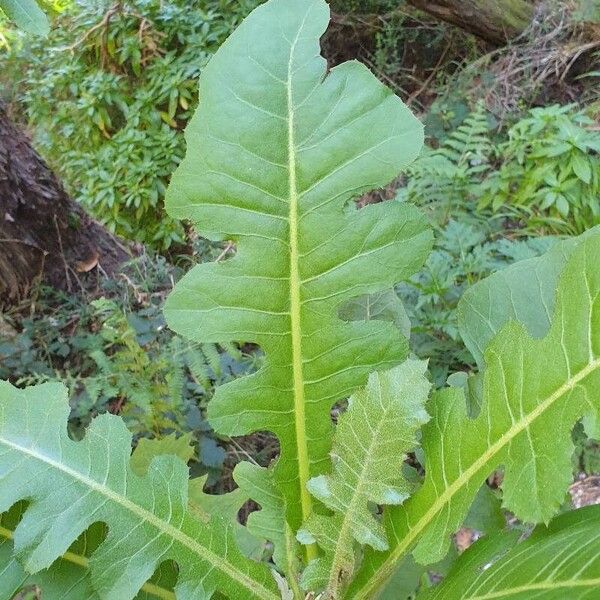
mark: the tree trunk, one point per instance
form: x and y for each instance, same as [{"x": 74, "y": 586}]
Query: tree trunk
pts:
[
  {"x": 44, "y": 235},
  {"x": 495, "y": 21}
]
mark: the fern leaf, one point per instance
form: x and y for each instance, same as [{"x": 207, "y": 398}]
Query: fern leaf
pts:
[
  {"x": 275, "y": 151},
  {"x": 71, "y": 485},
  {"x": 370, "y": 443},
  {"x": 534, "y": 391},
  {"x": 213, "y": 357},
  {"x": 196, "y": 363},
  {"x": 232, "y": 349}
]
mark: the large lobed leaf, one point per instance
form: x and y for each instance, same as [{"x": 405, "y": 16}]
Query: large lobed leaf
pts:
[
  {"x": 65, "y": 580},
  {"x": 558, "y": 562},
  {"x": 269, "y": 523},
  {"x": 371, "y": 440},
  {"x": 276, "y": 151},
  {"x": 27, "y": 15},
  {"x": 534, "y": 391},
  {"x": 71, "y": 485},
  {"x": 524, "y": 292}
]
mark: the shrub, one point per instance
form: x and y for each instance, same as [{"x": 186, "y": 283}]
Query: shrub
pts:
[
  {"x": 542, "y": 173},
  {"x": 109, "y": 93}
]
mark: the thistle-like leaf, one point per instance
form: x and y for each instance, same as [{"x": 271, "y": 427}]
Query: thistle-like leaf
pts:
[
  {"x": 370, "y": 443},
  {"x": 71, "y": 485},
  {"x": 65, "y": 579},
  {"x": 69, "y": 577},
  {"x": 559, "y": 562},
  {"x": 276, "y": 152},
  {"x": 534, "y": 391}
]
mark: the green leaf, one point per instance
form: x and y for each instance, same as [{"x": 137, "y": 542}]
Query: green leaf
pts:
[
  {"x": 147, "y": 449},
  {"x": 534, "y": 391},
  {"x": 226, "y": 506},
  {"x": 276, "y": 152},
  {"x": 65, "y": 579},
  {"x": 384, "y": 306},
  {"x": 485, "y": 514},
  {"x": 269, "y": 523},
  {"x": 582, "y": 167},
  {"x": 562, "y": 205},
  {"x": 68, "y": 577},
  {"x": 370, "y": 443},
  {"x": 525, "y": 292},
  {"x": 27, "y": 15},
  {"x": 405, "y": 580},
  {"x": 558, "y": 562},
  {"x": 71, "y": 485}
]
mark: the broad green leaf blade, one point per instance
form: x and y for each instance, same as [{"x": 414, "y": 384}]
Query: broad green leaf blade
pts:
[
  {"x": 524, "y": 292},
  {"x": 384, "y": 306},
  {"x": 534, "y": 391},
  {"x": 69, "y": 577},
  {"x": 203, "y": 505},
  {"x": 276, "y": 150},
  {"x": 27, "y": 15},
  {"x": 64, "y": 579},
  {"x": 370, "y": 443},
  {"x": 227, "y": 507},
  {"x": 269, "y": 523},
  {"x": 559, "y": 562},
  {"x": 71, "y": 485}
]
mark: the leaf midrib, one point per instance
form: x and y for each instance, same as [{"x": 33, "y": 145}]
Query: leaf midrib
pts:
[
  {"x": 296, "y": 303},
  {"x": 383, "y": 572},
  {"x": 344, "y": 536},
  {"x": 83, "y": 562},
  {"x": 218, "y": 562}
]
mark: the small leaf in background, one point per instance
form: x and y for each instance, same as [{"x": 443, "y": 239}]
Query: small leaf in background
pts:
[
  {"x": 581, "y": 167},
  {"x": 27, "y": 15},
  {"x": 382, "y": 306},
  {"x": 147, "y": 449}
]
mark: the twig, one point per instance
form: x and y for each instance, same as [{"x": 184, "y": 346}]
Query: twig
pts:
[
  {"x": 426, "y": 83},
  {"x": 221, "y": 256},
  {"x": 103, "y": 23}
]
